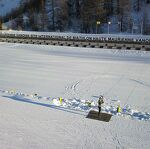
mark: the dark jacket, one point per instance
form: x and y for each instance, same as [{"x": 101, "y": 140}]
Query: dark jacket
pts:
[{"x": 100, "y": 102}]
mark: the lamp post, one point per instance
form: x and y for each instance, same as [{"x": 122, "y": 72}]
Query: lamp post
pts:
[
  {"x": 141, "y": 28},
  {"x": 97, "y": 23},
  {"x": 119, "y": 23},
  {"x": 108, "y": 26},
  {"x": 132, "y": 27}
]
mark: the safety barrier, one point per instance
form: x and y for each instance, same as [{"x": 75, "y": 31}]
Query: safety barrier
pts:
[{"x": 78, "y": 40}]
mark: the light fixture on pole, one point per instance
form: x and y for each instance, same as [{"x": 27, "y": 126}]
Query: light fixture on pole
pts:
[
  {"x": 108, "y": 26},
  {"x": 97, "y": 23},
  {"x": 132, "y": 27},
  {"x": 119, "y": 23},
  {"x": 141, "y": 28}
]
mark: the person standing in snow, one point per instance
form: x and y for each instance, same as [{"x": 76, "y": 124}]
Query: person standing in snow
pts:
[{"x": 100, "y": 102}]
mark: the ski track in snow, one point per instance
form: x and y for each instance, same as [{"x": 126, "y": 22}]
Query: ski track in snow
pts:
[{"x": 76, "y": 104}]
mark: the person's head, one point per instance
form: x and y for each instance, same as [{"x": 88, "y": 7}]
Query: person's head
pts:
[{"x": 101, "y": 96}]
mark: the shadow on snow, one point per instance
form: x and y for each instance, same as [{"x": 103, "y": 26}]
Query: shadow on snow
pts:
[{"x": 45, "y": 105}]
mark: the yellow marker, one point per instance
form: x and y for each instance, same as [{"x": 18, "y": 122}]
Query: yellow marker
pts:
[
  {"x": 60, "y": 100},
  {"x": 12, "y": 91},
  {"x": 118, "y": 109}
]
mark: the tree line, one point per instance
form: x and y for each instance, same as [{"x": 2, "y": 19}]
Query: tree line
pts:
[{"x": 85, "y": 16}]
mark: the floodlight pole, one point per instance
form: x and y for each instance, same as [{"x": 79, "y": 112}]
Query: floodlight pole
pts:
[
  {"x": 141, "y": 28},
  {"x": 97, "y": 23},
  {"x": 108, "y": 27}
]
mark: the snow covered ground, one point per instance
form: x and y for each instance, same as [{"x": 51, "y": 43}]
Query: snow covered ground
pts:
[{"x": 33, "y": 77}]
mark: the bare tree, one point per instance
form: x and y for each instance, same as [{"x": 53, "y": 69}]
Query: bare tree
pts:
[{"x": 53, "y": 15}]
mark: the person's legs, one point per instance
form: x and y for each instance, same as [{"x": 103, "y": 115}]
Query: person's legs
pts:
[{"x": 99, "y": 110}]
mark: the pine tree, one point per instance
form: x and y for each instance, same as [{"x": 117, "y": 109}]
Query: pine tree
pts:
[
  {"x": 61, "y": 15},
  {"x": 43, "y": 16},
  {"x": 146, "y": 23}
]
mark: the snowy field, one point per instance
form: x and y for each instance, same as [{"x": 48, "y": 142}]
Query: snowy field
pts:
[{"x": 33, "y": 77}]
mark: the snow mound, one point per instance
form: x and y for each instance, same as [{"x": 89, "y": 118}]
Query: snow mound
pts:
[{"x": 76, "y": 104}]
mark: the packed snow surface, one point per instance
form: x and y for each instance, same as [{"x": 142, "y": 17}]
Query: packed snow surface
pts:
[{"x": 34, "y": 77}]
